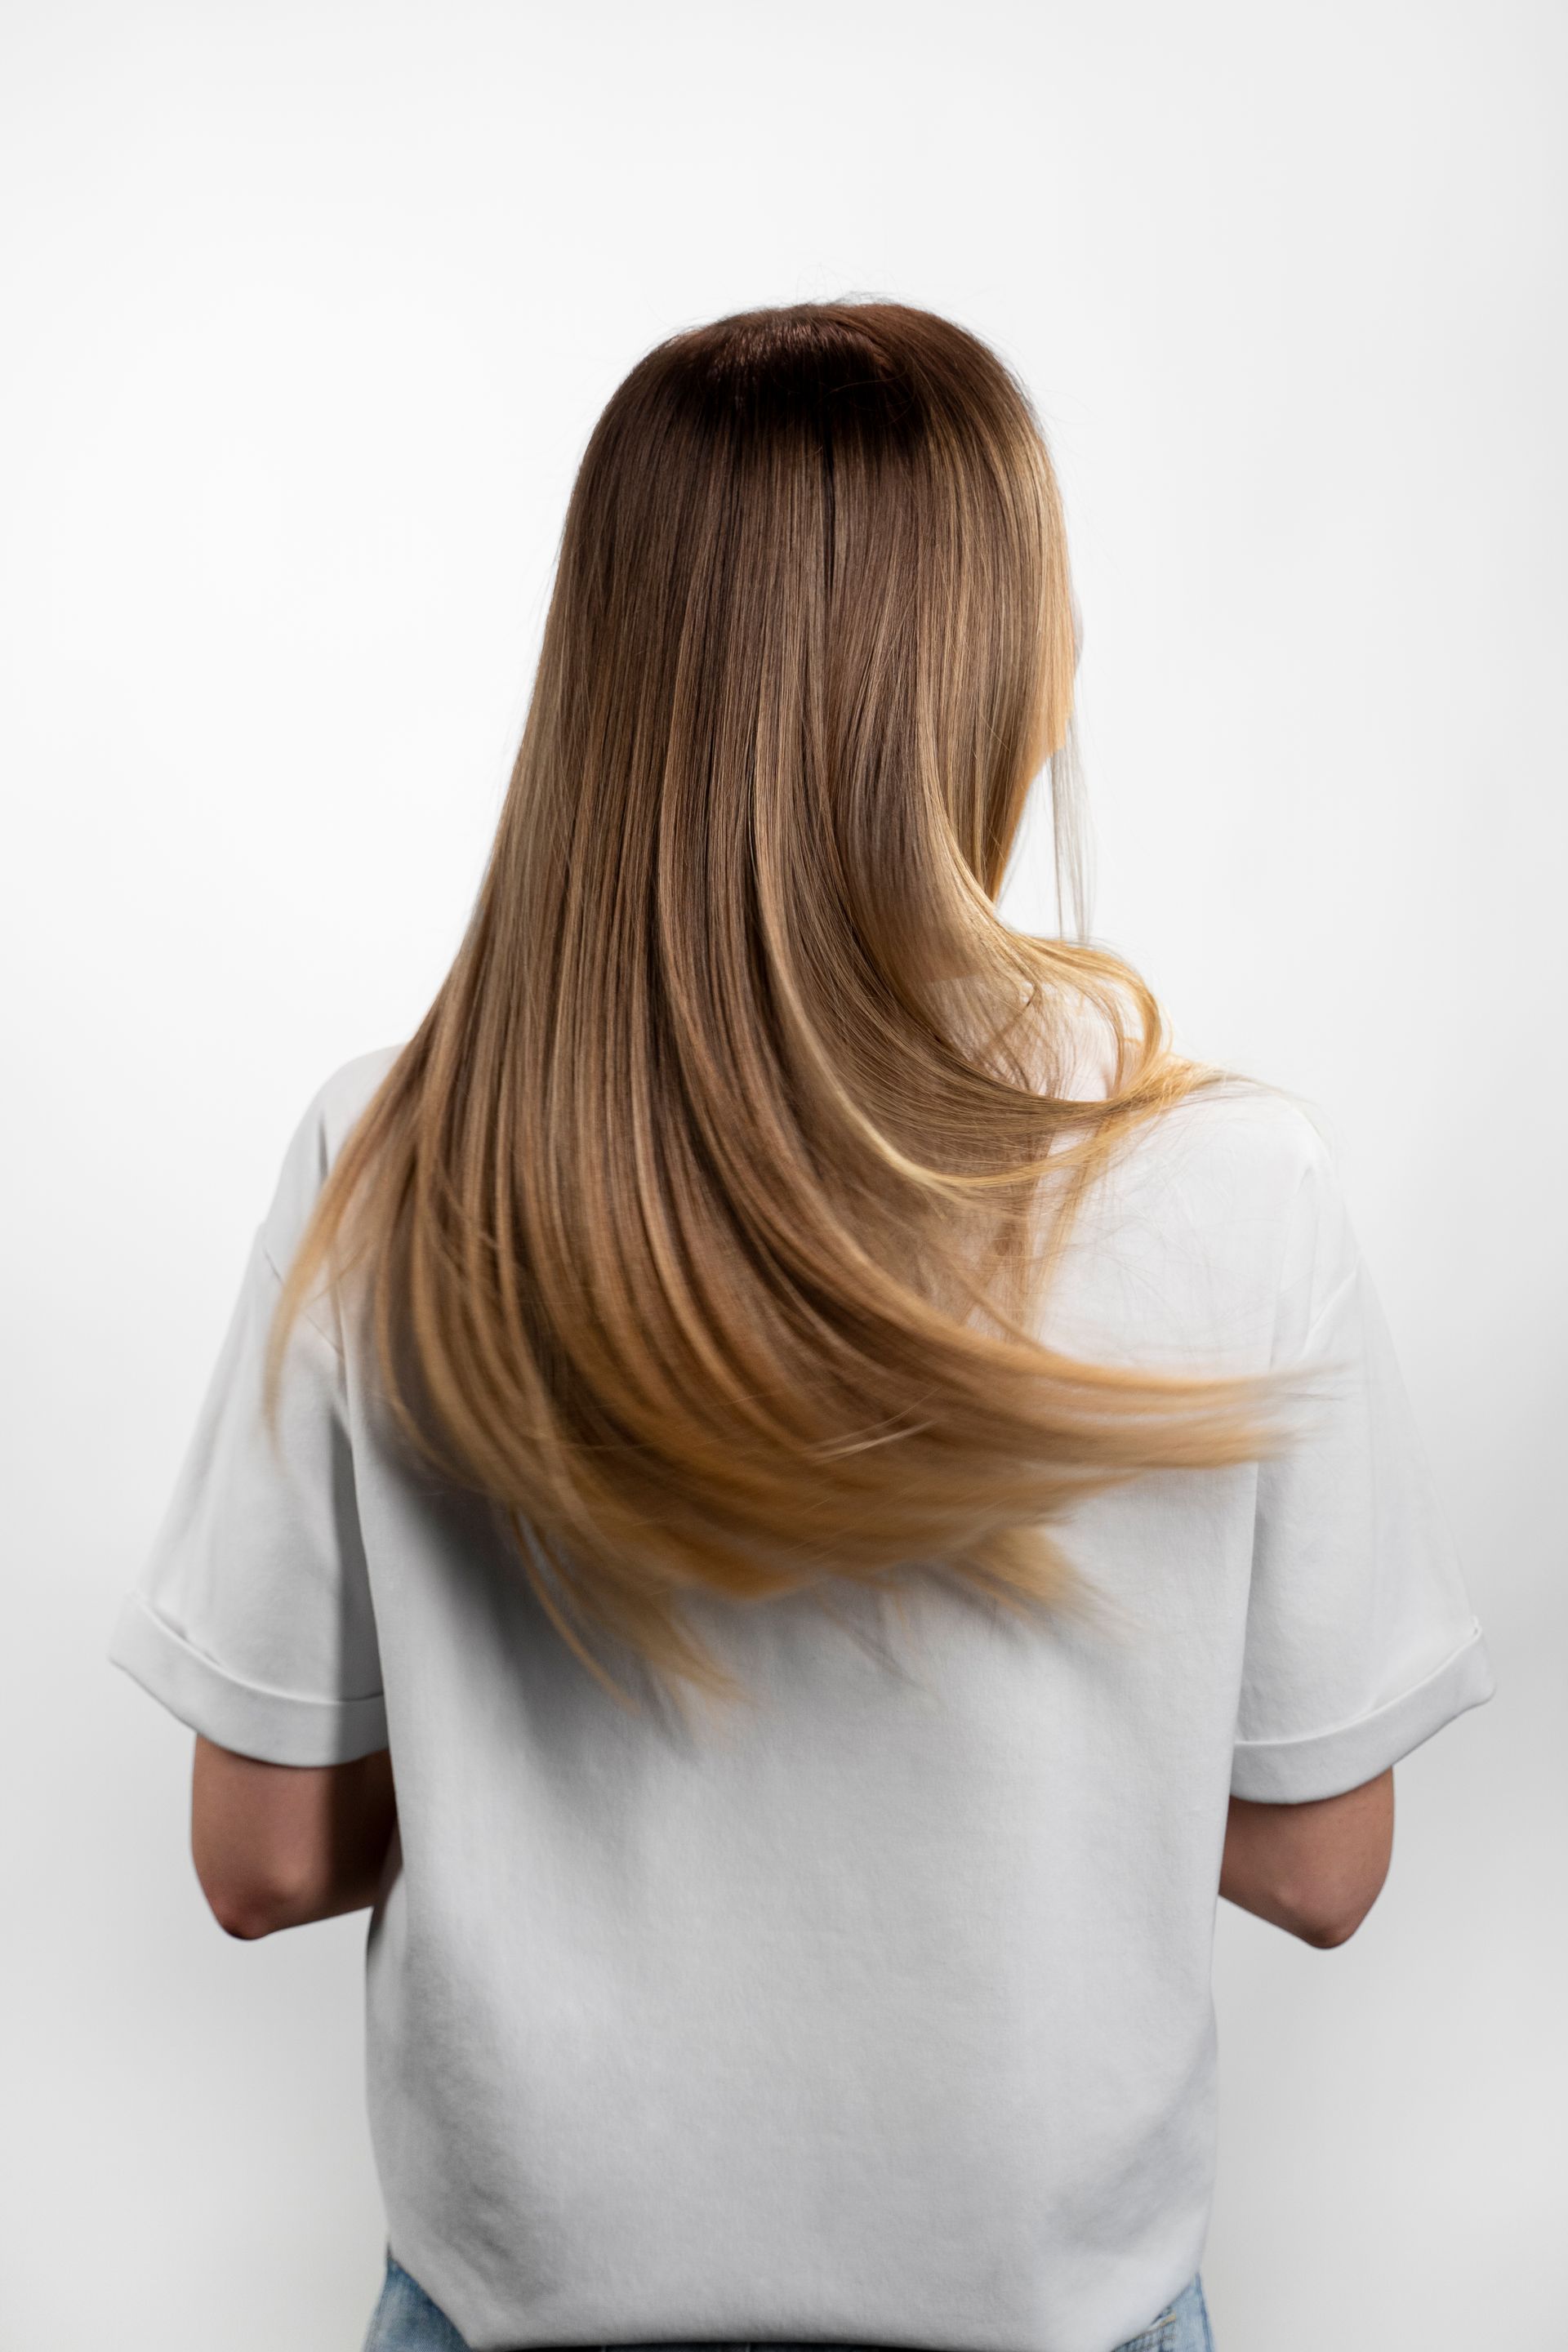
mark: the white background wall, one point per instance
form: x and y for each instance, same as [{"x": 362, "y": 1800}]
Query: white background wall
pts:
[{"x": 309, "y": 309}]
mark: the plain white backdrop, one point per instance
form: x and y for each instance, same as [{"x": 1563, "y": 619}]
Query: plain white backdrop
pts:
[{"x": 308, "y": 311}]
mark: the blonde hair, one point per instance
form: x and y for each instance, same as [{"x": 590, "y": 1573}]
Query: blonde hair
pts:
[{"x": 709, "y": 1209}]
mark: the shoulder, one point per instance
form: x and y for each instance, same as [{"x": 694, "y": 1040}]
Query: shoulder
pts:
[
  {"x": 1265, "y": 1173},
  {"x": 1242, "y": 1142},
  {"x": 319, "y": 1132},
  {"x": 1210, "y": 1225},
  {"x": 345, "y": 1092},
  {"x": 1236, "y": 1132}
]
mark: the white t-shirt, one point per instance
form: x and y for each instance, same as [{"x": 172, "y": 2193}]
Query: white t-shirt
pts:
[{"x": 878, "y": 2012}]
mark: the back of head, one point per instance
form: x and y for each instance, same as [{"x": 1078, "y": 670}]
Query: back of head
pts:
[
  {"x": 821, "y": 549},
  {"x": 707, "y": 1208}
]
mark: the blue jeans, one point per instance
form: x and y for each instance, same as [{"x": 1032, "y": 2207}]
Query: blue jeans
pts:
[{"x": 406, "y": 2320}]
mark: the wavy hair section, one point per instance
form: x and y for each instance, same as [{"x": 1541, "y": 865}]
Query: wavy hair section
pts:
[{"x": 706, "y": 1217}]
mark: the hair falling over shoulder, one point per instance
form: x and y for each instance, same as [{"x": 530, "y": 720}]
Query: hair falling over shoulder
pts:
[{"x": 706, "y": 1214}]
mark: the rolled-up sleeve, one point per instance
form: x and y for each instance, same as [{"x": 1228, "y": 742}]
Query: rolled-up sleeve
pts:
[
  {"x": 251, "y": 1619},
  {"x": 1361, "y": 1639}
]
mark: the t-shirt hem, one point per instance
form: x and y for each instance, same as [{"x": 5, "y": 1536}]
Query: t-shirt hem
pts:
[
  {"x": 276, "y": 1726},
  {"x": 1327, "y": 1763}
]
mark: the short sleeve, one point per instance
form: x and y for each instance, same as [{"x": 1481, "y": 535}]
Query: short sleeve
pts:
[
  {"x": 1361, "y": 1640},
  {"x": 251, "y": 1621}
]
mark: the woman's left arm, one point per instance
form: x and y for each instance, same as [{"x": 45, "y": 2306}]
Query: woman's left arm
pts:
[{"x": 277, "y": 1846}]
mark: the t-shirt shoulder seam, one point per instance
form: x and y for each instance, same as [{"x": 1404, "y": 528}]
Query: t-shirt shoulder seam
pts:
[
  {"x": 1351, "y": 1274},
  {"x": 335, "y": 1345}
]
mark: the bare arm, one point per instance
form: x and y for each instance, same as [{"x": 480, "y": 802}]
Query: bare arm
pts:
[
  {"x": 1314, "y": 1869},
  {"x": 277, "y": 1846}
]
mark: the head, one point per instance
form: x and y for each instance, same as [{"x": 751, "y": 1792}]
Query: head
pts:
[
  {"x": 824, "y": 547},
  {"x": 708, "y": 1210}
]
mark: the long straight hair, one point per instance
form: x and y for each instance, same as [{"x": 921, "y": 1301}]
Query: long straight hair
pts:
[{"x": 708, "y": 1212}]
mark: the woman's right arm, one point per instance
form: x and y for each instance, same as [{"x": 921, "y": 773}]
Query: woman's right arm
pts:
[{"x": 1314, "y": 1869}]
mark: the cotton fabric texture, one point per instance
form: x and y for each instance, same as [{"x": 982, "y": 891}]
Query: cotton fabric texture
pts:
[
  {"x": 878, "y": 2012},
  {"x": 406, "y": 2320}
]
